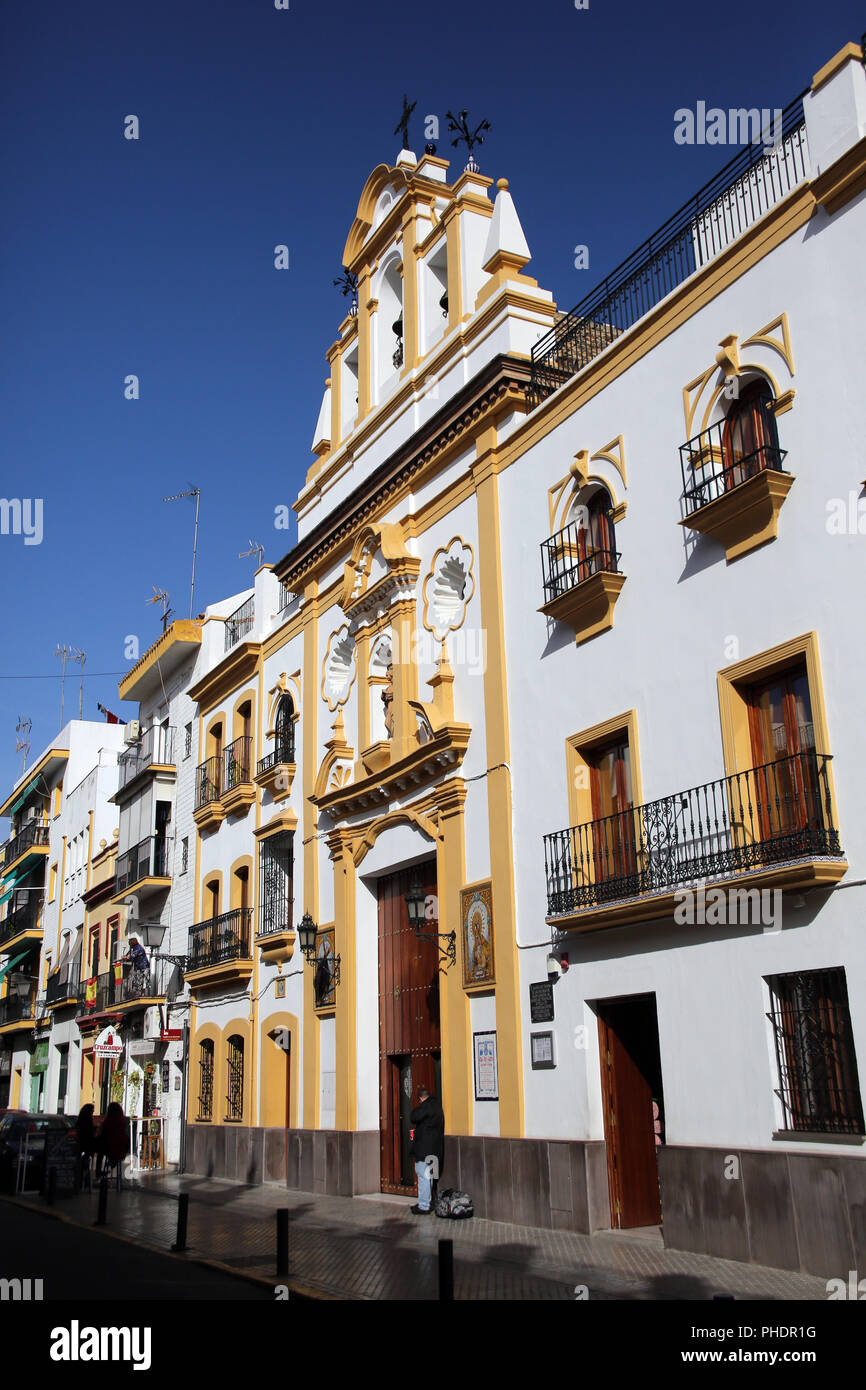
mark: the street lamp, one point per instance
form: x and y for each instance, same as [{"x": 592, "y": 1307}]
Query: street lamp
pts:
[
  {"x": 307, "y": 938},
  {"x": 327, "y": 966},
  {"x": 416, "y": 904}
]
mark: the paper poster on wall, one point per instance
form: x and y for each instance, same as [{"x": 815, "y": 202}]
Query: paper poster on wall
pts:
[{"x": 486, "y": 1067}]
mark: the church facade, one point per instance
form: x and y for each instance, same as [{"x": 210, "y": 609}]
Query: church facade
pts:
[{"x": 562, "y": 663}]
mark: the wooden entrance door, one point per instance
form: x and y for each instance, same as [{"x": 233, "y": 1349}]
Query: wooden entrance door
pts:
[
  {"x": 632, "y": 1098},
  {"x": 409, "y": 1033}
]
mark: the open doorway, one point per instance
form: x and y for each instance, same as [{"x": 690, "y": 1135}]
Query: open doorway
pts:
[{"x": 633, "y": 1100}]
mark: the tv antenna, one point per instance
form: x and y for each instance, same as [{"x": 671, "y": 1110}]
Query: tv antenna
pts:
[
  {"x": 22, "y": 739},
  {"x": 64, "y": 654},
  {"x": 160, "y": 596},
  {"x": 79, "y": 657},
  {"x": 196, "y": 493},
  {"x": 257, "y": 550}
]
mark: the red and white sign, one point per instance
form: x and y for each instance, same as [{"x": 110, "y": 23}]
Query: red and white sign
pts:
[
  {"x": 108, "y": 1044},
  {"x": 170, "y": 1034}
]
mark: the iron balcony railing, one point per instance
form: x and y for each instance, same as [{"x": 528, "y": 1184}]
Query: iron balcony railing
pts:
[
  {"x": 237, "y": 763},
  {"x": 566, "y": 561},
  {"x": 21, "y": 918},
  {"x": 751, "y": 183},
  {"x": 96, "y": 993},
  {"x": 208, "y": 782},
  {"x": 154, "y": 981},
  {"x": 17, "y": 1009},
  {"x": 766, "y": 815},
  {"x": 65, "y": 985},
  {"x": 222, "y": 938},
  {"x": 286, "y": 596},
  {"x": 712, "y": 464},
  {"x": 284, "y": 752},
  {"x": 148, "y": 859},
  {"x": 240, "y": 623},
  {"x": 155, "y": 746},
  {"x": 33, "y": 836}
]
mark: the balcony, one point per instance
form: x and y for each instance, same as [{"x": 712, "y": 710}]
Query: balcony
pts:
[
  {"x": 63, "y": 988},
  {"x": 17, "y": 1011},
  {"x": 144, "y": 867},
  {"x": 220, "y": 950},
  {"x": 275, "y": 773},
  {"x": 768, "y": 827},
  {"x": 239, "y": 790},
  {"x": 22, "y": 922},
  {"x": 734, "y": 496},
  {"x": 31, "y": 841},
  {"x": 141, "y": 988},
  {"x": 752, "y": 183},
  {"x": 154, "y": 751},
  {"x": 581, "y": 587},
  {"x": 95, "y": 995},
  {"x": 240, "y": 623},
  {"x": 208, "y": 810}
]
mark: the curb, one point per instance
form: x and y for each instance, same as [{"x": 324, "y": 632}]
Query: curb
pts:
[{"x": 263, "y": 1280}]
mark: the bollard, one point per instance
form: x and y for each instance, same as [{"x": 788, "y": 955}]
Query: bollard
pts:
[
  {"x": 446, "y": 1271},
  {"x": 182, "y": 1215},
  {"x": 283, "y": 1241},
  {"x": 102, "y": 1213},
  {"x": 52, "y": 1186}
]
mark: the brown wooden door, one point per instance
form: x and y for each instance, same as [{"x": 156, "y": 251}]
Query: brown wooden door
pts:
[
  {"x": 409, "y": 1032},
  {"x": 613, "y": 834},
  {"x": 631, "y": 1084},
  {"x": 784, "y": 755}
]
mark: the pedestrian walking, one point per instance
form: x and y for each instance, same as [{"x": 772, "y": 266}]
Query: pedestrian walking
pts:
[
  {"x": 113, "y": 1146},
  {"x": 428, "y": 1141},
  {"x": 86, "y": 1142}
]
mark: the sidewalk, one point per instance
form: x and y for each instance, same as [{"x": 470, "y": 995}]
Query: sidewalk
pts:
[{"x": 374, "y": 1248}]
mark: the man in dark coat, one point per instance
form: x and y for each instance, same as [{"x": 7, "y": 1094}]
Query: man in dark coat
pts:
[{"x": 428, "y": 1141}]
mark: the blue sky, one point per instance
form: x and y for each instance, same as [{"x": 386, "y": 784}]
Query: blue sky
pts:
[{"x": 259, "y": 126}]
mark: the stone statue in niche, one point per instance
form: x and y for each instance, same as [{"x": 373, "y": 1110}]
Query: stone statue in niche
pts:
[{"x": 388, "y": 700}]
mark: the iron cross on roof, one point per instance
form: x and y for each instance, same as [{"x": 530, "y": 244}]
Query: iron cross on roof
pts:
[{"x": 403, "y": 123}]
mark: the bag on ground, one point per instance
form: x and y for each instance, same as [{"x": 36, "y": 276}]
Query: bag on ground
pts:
[{"x": 454, "y": 1204}]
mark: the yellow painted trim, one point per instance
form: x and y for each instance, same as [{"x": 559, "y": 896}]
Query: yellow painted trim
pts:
[
  {"x": 208, "y": 1032},
  {"x": 272, "y": 1086},
  {"x": 851, "y": 53},
  {"x": 310, "y": 902},
  {"x": 345, "y": 1022},
  {"x": 465, "y": 601},
  {"x": 577, "y": 746},
  {"x": 499, "y": 808},
  {"x": 60, "y": 907},
  {"x": 736, "y": 739},
  {"x": 182, "y": 630}
]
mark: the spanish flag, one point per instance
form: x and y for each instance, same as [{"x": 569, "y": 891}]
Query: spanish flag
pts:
[{"x": 90, "y": 992}]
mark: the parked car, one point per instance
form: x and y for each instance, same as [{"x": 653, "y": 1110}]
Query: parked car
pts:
[{"x": 13, "y": 1127}]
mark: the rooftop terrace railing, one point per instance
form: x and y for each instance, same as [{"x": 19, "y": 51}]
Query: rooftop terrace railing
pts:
[{"x": 758, "y": 177}]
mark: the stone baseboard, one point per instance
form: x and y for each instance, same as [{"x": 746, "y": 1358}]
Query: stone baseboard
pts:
[
  {"x": 341, "y": 1163},
  {"x": 796, "y": 1211},
  {"x": 560, "y": 1184}
]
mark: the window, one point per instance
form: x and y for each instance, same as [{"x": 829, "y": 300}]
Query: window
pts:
[
  {"x": 750, "y": 439},
  {"x": 187, "y": 740},
  {"x": 284, "y": 741},
  {"x": 819, "y": 1086},
  {"x": 205, "y": 1088},
  {"x": 584, "y": 546},
  {"x": 184, "y": 854},
  {"x": 788, "y": 783},
  {"x": 275, "y": 868},
  {"x": 235, "y": 1078}
]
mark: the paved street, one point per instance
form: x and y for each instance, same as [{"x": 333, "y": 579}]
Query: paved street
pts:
[
  {"x": 373, "y": 1248},
  {"x": 72, "y": 1262}
]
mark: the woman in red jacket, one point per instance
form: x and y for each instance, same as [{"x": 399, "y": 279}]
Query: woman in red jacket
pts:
[{"x": 113, "y": 1146}]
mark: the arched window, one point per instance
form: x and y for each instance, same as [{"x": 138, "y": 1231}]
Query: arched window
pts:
[
  {"x": 596, "y": 542},
  {"x": 235, "y": 1077},
  {"x": 284, "y": 739},
  {"x": 750, "y": 440},
  {"x": 205, "y": 1085}
]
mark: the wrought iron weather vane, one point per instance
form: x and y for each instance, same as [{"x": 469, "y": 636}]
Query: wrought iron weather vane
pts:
[
  {"x": 403, "y": 123},
  {"x": 348, "y": 284},
  {"x": 466, "y": 137}
]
